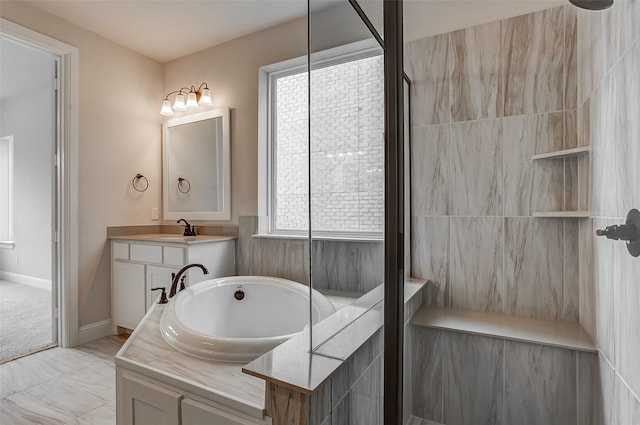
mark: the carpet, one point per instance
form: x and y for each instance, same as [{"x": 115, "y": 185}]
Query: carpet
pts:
[{"x": 25, "y": 320}]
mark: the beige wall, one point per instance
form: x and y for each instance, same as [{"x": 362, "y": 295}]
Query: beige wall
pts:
[
  {"x": 119, "y": 136},
  {"x": 231, "y": 71}
]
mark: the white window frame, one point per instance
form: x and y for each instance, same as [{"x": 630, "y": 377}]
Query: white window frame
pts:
[
  {"x": 7, "y": 242},
  {"x": 266, "y": 150}
]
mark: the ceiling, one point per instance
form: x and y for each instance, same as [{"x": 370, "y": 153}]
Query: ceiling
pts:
[
  {"x": 165, "y": 30},
  {"x": 168, "y": 29}
]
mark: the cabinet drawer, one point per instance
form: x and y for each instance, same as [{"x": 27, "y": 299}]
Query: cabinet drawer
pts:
[
  {"x": 196, "y": 413},
  {"x": 120, "y": 251},
  {"x": 149, "y": 404},
  {"x": 146, "y": 253},
  {"x": 173, "y": 256}
]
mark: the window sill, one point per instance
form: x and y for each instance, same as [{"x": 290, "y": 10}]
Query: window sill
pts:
[
  {"x": 319, "y": 237},
  {"x": 7, "y": 244}
]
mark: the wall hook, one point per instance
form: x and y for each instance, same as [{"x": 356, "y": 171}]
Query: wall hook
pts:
[
  {"x": 630, "y": 232},
  {"x": 136, "y": 183}
]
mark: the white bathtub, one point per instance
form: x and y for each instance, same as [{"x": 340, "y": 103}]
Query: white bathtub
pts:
[{"x": 208, "y": 321}]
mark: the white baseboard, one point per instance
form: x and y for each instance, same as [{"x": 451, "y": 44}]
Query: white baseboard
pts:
[
  {"x": 94, "y": 330},
  {"x": 26, "y": 280}
]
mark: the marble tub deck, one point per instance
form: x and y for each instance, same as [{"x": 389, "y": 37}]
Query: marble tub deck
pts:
[{"x": 147, "y": 353}]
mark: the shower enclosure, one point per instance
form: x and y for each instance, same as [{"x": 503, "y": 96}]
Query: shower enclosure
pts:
[
  {"x": 357, "y": 197},
  {"x": 524, "y": 141}
]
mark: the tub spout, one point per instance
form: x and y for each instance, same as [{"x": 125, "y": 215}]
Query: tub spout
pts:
[{"x": 176, "y": 278}]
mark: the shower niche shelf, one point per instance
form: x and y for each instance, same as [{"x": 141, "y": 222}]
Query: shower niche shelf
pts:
[
  {"x": 574, "y": 167},
  {"x": 562, "y": 214},
  {"x": 565, "y": 153}
]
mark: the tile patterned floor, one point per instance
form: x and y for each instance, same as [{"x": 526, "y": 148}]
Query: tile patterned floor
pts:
[{"x": 61, "y": 386}]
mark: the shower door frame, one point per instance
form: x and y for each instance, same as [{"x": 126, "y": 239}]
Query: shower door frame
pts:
[
  {"x": 394, "y": 213},
  {"x": 394, "y": 238}
]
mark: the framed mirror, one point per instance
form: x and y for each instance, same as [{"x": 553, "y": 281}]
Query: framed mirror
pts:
[{"x": 196, "y": 163}]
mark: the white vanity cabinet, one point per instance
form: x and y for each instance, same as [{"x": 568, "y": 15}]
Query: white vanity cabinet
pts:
[
  {"x": 137, "y": 265},
  {"x": 145, "y": 401},
  {"x": 196, "y": 413}
]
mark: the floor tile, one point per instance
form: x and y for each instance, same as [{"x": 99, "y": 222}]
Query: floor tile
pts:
[
  {"x": 103, "y": 415},
  {"x": 54, "y": 401},
  {"x": 61, "y": 386}
]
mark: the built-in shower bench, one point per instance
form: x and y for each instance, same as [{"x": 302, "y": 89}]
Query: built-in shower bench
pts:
[
  {"x": 554, "y": 333},
  {"x": 529, "y": 370}
]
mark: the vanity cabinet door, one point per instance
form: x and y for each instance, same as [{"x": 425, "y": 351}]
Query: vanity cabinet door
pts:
[
  {"x": 196, "y": 413},
  {"x": 158, "y": 276},
  {"x": 145, "y": 403},
  {"x": 128, "y": 294}
]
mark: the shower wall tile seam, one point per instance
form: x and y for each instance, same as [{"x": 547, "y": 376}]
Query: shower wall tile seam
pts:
[
  {"x": 558, "y": 111},
  {"x": 354, "y": 383},
  {"x": 617, "y": 373},
  {"x": 577, "y": 388},
  {"x": 607, "y": 73},
  {"x": 564, "y": 265},
  {"x": 551, "y": 359}
]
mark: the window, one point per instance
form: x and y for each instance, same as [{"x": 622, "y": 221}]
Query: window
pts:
[
  {"x": 347, "y": 147},
  {"x": 6, "y": 191}
]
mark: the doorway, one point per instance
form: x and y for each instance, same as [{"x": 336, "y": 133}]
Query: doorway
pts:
[{"x": 29, "y": 104}]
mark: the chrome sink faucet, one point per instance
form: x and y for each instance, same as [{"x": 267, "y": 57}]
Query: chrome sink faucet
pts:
[
  {"x": 176, "y": 278},
  {"x": 188, "y": 229}
]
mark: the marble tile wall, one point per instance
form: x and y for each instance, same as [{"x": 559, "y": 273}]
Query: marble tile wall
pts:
[
  {"x": 353, "y": 394},
  {"x": 503, "y": 92},
  {"x": 476, "y": 79},
  {"x": 561, "y": 78},
  {"x": 341, "y": 266},
  {"x": 533, "y": 62},
  {"x": 470, "y": 379},
  {"x": 608, "y": 60}
]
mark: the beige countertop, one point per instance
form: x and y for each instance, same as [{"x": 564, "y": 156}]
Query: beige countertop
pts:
[
  {"x": 164, "y": 237},
  {"x": 147, "y": 353},
  {"x": 291, "y": 364},
  {"x": 335, "y": 339}
]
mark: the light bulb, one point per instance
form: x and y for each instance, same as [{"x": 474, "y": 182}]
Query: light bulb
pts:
[
  {"x": 179, "y": 105},
  {"x": 205, "y": 97},
  {"x": 166, "y": 108},
  {"x": 191, "y": 101}
]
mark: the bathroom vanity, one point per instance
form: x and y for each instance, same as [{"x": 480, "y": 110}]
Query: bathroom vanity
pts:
[
  {"x": 157, "y": 384},
  {"x": 142, "y": 262}
]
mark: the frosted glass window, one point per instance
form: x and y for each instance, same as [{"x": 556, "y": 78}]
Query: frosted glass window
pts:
[{"x": 347, "y": 148}]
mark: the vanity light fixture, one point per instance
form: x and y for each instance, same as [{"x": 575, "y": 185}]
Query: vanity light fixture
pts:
[{"x": 195, "y": 97}]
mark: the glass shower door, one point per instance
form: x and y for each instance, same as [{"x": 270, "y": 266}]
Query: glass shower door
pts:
[{"x": 347, "y": 172}]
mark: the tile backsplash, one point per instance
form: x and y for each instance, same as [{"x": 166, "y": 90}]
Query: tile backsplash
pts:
[{"x": 350, "y": 266}]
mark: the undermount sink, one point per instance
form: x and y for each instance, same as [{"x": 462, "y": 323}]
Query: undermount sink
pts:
[{"x": 239, "y": 318}]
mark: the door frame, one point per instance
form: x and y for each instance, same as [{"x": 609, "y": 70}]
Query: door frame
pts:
[{"x": 65, "y": 232}]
